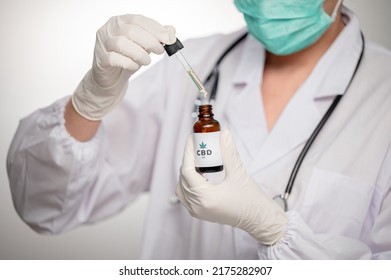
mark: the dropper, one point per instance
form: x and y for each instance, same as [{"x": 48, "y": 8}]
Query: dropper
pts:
[{"x": 175, "y": 49}]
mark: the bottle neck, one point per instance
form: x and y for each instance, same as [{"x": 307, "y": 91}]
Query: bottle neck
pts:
[{"x": 205, "y": 112}]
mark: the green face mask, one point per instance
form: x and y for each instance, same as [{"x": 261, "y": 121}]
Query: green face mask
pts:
[{"x": 286, "y": 26}]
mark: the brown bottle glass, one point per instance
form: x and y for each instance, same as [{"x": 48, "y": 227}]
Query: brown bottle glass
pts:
[{"x": 207, "y": 141}]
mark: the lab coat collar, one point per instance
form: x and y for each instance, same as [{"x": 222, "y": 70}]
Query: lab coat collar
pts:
[
  {"x": 337, "y": 66},
  {"x": 253, "y": 58}
]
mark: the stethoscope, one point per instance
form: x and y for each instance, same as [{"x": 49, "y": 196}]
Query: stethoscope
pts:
[{"x": 211, "y": 83}]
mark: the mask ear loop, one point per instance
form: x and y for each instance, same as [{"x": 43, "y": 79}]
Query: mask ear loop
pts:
[{"x": 336, "y": 9}]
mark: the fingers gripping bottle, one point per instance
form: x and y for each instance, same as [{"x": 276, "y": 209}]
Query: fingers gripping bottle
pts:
[{"x": 207, "y": 141}]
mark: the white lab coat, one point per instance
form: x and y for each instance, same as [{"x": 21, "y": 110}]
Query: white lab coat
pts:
[{"x": 340, "y": 207}]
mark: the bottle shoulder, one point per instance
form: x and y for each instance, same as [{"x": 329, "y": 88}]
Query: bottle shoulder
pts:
[{"x": 203, "y": 126}]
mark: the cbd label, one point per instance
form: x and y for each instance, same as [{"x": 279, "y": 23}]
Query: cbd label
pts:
[{"x": 207, "y": 149}]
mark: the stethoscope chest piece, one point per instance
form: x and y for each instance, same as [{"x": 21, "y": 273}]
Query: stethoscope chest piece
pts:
[{"x": 281, "y": 201}]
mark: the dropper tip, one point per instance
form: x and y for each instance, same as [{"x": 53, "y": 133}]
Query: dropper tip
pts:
[{"x": 203, "y": 99}]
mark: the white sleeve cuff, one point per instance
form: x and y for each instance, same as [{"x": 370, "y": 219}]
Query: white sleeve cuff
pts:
[
  {"x": 52, "y": 119},
  {"x": 300, "y": 242}
]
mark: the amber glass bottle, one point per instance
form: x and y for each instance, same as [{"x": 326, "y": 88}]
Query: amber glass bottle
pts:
[{"x": 207, "y": 141}]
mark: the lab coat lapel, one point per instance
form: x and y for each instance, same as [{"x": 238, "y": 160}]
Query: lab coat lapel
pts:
[
  {"x": 243, "y": 105},
  {"x": 258, "y": 146},
  {"x": 291, "y": 131},
  {"x": 248, "y": 123}
]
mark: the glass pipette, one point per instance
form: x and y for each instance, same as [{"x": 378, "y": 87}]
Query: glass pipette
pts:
[{"x": 175, "y": 49}]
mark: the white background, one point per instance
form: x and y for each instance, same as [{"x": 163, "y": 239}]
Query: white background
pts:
[{"x": 46, "y": 47}]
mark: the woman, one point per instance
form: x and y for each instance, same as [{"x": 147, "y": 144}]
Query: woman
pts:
[{"x": 86, "y": 157}]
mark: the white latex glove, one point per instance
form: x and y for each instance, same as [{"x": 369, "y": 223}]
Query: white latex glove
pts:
[
  {"x": 122, "y": 46},
  {"x": 237, "y": 201}
]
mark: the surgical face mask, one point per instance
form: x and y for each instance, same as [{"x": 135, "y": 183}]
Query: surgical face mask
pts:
[{"x": 286, "y": 26}]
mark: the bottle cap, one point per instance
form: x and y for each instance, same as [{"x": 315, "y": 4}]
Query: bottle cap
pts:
[{"x": 173, "y": 48}]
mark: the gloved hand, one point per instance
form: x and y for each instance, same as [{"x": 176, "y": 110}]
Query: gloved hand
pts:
[
  {"x": 122, "y": 46},
  {"x": 237, "y": 201}
]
